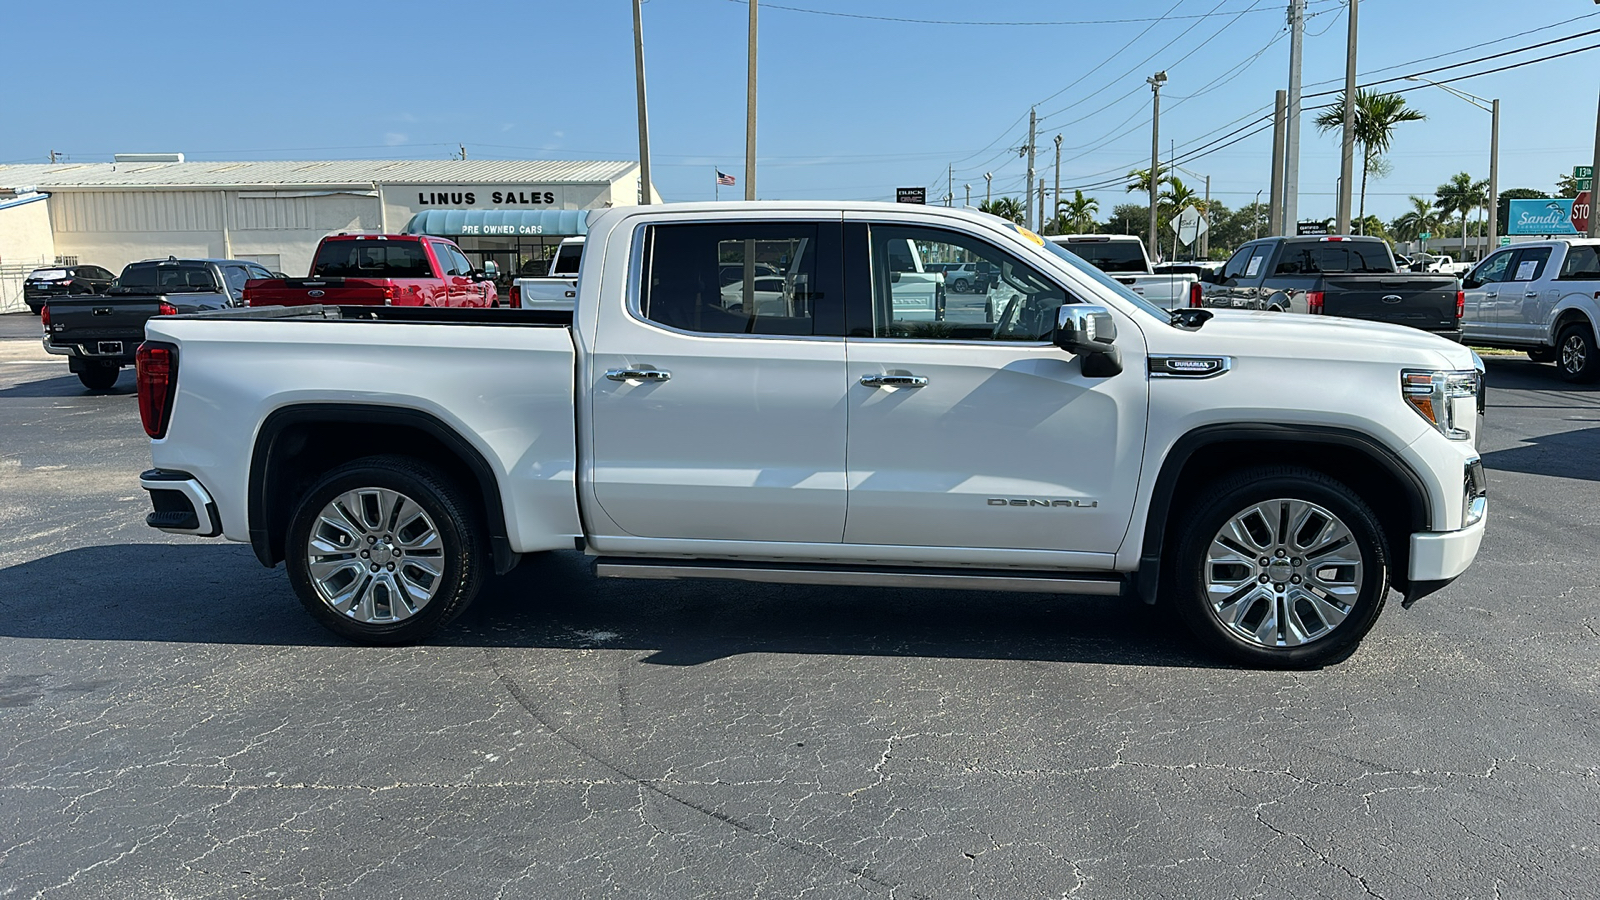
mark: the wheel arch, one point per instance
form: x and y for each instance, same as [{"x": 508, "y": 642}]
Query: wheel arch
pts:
[
  {"x": 297, "y": 444},
  {"x": 1567, "y": 315},
  {"x": 1397, "y": 495}
]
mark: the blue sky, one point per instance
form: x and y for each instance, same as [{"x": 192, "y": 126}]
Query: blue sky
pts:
[{"x": 849, "y": 107}]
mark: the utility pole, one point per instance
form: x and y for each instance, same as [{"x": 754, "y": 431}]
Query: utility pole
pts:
[
  {"x": 1255, "y": 217},
  {"x": 1155, "y": 81},
  {"x": 750, "y": 114},
  {"x": 1041, "y": 206},
  {"x": 1291, "y": 144},
  {"x": 1594, "y": 221},
  {"x": 1347, "y": 149},
  {"x": 463, "y": 149},
  {"x": 968, "y": 189},
  {"x": 988, "y": 184},
  {"x": 1055, "y": 208},
  {"x": 644, "y": 118},
  {"x": 950, "y": 186},
  {"x": 52, "y": 156},
  {"x": 1205, "y": 237},
  {"x": 1280, "y": 124},
  {"x": 1494, "y": 176},
  {"x": 1027, "y": 186}
]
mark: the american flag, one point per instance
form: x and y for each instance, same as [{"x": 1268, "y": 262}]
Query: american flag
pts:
[{"x": 724, "y": 179}]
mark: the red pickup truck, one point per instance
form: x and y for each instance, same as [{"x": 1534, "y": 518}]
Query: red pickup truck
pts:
[{"x": 380, "y": 270}]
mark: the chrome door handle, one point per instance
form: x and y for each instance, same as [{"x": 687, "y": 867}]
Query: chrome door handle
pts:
[
  {"x": 1491, "y": 294},
  {"x": 1531, "y": 294},
  {"x": 905, "y": 381},
  {"x": 638, "y": 375}
]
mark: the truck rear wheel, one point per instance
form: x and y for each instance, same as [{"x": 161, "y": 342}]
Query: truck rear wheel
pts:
[
  {"x": 1576, "y": 355},
  {"x": 99, "y": 376},
  {"x": 385, "y": 550},
  {"x": 1282, "y": 568}
]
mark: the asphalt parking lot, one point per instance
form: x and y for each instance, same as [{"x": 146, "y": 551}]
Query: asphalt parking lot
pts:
[{"x": 173, "y": 724}]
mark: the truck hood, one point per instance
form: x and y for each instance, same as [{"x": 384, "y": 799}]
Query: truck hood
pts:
[{"x": 1247, "y": 333}]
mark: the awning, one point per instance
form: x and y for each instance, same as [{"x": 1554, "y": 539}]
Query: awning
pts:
[{"x": 480, "y": 222}]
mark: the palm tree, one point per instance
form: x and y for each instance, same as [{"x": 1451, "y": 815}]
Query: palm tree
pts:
[
  {"x": 1457, "y": 196},
  {"x": 1419, "y": 220},
  {"x": 1009, "y": 208},
  {"x": 1376, "y": 116},
  {"x": 1076, "y": 216},
  {"x": 1139, "y": 180}
]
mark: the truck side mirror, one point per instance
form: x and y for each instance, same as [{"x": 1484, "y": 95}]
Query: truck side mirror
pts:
[{"x": 1089, "y": 332}]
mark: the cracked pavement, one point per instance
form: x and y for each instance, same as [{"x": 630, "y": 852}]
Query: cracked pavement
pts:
[{"x": 172, "y": 724}]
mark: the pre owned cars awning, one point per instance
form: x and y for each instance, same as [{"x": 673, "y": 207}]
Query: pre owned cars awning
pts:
[{"x": 539, "y": 222}]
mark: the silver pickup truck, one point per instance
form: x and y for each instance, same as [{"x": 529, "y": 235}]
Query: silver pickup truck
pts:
[{"x": 558, "y": 287}]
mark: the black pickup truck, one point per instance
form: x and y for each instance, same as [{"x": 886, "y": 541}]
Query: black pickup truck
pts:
[
  {"x": 99, "y": 333},
  {"x": 1354, "y": 277}
]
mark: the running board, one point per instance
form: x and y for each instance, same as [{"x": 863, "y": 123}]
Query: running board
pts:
[{"x": 1105, "y": 585}]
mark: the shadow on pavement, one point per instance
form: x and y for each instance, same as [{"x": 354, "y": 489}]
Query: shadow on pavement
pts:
[
  {"x": 1565, "y": 454},
  {"x": 1520, "y": 373},
  {"x": 219, "y": 594},
  {"x": 69, "y": 386}
]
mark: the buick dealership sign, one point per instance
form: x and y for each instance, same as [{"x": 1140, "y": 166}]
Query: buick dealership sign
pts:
[{"x": 1555, "y": 216}]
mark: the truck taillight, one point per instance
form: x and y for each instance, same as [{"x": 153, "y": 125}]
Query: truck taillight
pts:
[
  {"x": 516, "y": 296},
  {"x": 388, "y": 295},
  {"x": 1461, "y": 303},
  {"x": 44, "y": 317},
  {"x": 157, "y": 365},
  {"x": 1194, "y": 295},
  {"x": 1314, "y": 302},
  {"x": 166, "y": 309}
]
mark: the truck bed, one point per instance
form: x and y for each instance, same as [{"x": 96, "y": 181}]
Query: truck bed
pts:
[{"x": 1427, "y": 302}]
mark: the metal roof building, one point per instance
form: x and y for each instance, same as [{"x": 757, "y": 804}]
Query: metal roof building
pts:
[{"x": 155, "y": 205}]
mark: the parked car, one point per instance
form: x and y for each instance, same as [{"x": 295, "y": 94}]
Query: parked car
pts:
[
  {"x": 558, "y": 287},
  {"x": 381, "y": 270},
  {"x": 43, "y": 285},
  {"x": 1333, "y": 275},
  {"x": 99, "y": 334},
  {"x": 1088, "y": 442},
  {"x": 964, "y": 278},
  {"x": 1542, "y": 297},
  {"x": 1123, "y": 257}
]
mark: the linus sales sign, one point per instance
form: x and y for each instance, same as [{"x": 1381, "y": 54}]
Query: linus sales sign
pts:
[{"x": 1555, "y": 216}]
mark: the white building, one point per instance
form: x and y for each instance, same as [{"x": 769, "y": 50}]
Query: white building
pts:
[{"x": 145, "y": 206}]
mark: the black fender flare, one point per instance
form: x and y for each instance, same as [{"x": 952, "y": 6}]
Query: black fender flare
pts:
[
  {"x": 1182, "y": 450},
  {"x": 280, "y": 420}
]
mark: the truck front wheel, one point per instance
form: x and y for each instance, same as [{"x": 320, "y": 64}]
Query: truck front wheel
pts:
[
  {"x": 1281, "y": 567},
  {"x": 385, "y": 550}
]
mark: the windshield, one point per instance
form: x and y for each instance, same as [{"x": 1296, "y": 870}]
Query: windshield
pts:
[
  {"x": 1093, "y": 274},
  {"x": 1108, "y": 256}
]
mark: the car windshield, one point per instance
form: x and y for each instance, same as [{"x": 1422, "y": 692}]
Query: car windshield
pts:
[
  {"x": 1093, "y": 274},
  {"x": 1108, "y": 256}
]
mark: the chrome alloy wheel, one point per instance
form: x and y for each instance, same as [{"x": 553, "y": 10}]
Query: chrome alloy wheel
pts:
[
  {"x": 375, "y": 556},
  {"x": 1574, "y": 353},
  {"x": 1282, "y": 573}
]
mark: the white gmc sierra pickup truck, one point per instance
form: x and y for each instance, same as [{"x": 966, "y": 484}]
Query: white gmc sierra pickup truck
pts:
[{"x": 1270, "y": 478}]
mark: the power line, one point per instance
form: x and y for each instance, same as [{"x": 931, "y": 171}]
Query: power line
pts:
[
  {"x": 1007, "y": 24},
  {"x": 1480, "y": 59}
]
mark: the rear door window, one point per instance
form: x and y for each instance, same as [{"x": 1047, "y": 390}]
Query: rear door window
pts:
[
  {"x": 791, "y": 288},
  {"x": 1108, "y": 256},
  {"x": 371, "y": 259},
  {"x": 1529, "y": 264},
  {"x": 1582, "y": 263}
]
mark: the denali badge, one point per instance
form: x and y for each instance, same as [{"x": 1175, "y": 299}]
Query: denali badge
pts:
[
  {"x": 1048, "y": 504},
  {"x": 1188, "y": 366}
]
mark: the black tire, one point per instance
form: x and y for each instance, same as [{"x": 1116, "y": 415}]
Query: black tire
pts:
[
  {"x": 962, "y": 285},
  {"x": 99, "y": 376},
  {"x": 461, "y": 561},
  {"x": 1308, "y": 607},
  {"x": 1542, "y": 355},
  {"x": 1576, "y": 357}
]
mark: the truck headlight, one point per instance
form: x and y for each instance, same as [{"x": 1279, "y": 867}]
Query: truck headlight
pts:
[
  {"x": 1475, "y": 499},
  {"x": 1443, "y": 397}
]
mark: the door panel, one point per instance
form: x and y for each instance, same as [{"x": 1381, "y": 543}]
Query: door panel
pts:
[
  {"x": 976, "y": 432},
  {"x": 1520, "y": 295},
  {"x": 1481, "y": 312},
  {"x": 741, "y": 437}
]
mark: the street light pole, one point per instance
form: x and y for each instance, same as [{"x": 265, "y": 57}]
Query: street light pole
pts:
[
  {"x": 1347, "y": 148},
  {"x": 1055, "y": 207},
  {"x": 1155, "y": 81},
  {"x": 988, "y": 184},
  {"x": 1492, "y": 107},
  {"x": 1255, "y": 217}
]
